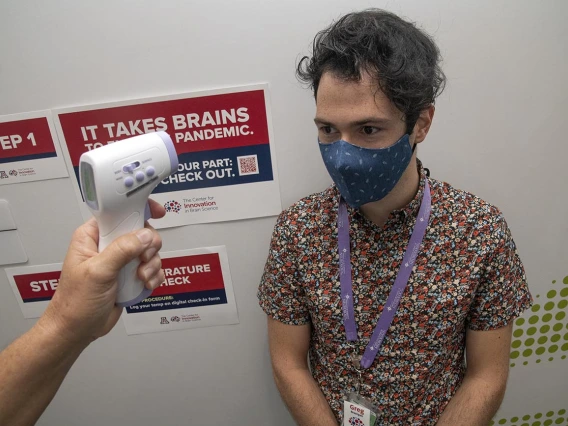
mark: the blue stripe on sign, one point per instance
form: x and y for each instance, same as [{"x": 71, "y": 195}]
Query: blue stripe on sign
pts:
[
  {"x": 38, "y": 299},
  {"x": 192, "y": 174},
  {"x": 28, "y": 157},
  {"x": 182, "y": 300}
]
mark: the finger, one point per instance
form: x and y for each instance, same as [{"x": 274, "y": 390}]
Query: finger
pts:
[
  {"x": 112, "y": 259},
  {"x": 156, "y": 209},
  {"x": 147, "y": 271},
  {"x": 150, "y": 272},
  {"x": 156, "y": 280},
  {"x": 155, "y": 246}
]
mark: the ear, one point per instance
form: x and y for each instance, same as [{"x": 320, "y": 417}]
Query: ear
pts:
[{"x": 422, "y": 125}]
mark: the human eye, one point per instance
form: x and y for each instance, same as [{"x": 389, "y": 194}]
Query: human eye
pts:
[
  {"x": 370, "y": 130},
  {"x": 327, "y": 133},
  {"x": 327, "y": 130}
]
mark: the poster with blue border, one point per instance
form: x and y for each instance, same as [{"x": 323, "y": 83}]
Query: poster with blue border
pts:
[
  {"x": 197, "y": 292},
  {"x": 29, "y": 148},
  {"x": 223, "y": 138}
]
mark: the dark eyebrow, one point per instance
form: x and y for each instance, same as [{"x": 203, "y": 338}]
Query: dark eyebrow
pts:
[
  {"x": 365, "y": 121},
  {"x": 320, "y": 121},
  {"x": 371, "y": 120}
]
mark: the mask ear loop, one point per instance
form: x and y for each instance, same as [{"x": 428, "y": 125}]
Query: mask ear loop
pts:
[{"x": 427, "y": 171}]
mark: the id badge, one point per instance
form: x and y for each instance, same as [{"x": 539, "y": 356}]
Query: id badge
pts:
[{"x": 356, "y": 411}]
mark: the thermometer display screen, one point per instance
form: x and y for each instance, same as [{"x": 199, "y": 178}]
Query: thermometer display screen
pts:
[{"x": 88, "y": 185}]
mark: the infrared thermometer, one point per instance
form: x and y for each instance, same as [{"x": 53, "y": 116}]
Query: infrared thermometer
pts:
[{"x": 116, "y": 180}]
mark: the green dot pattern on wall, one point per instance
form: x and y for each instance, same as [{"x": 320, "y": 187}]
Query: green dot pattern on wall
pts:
[
  {"x": 538, "y": 419},
  {"x": 540, "y": 331}
]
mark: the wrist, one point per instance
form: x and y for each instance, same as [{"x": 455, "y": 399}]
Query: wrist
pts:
[{"x": 54, "y": 330}]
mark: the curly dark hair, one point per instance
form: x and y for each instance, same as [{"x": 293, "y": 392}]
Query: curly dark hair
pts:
[{"x": 403, "y": 59}]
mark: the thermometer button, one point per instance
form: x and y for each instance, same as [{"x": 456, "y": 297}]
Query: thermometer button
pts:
[
  {"x": 150, "y": 171},
  {"x": 129, "y": 168},
  {"x": 128, "y": 181},
  {"x": 139, "y": 176}
]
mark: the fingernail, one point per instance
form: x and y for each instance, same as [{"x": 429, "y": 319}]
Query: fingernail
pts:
[{"x": 144, "y": 235}]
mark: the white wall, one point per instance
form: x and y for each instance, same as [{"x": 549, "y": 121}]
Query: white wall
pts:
[{"x": 498, "y": 132}]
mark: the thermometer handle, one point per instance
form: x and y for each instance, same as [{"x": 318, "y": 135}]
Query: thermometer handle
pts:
[{"x": 131, "y": 289}]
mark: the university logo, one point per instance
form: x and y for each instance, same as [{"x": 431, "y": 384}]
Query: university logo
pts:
[
  {"x": 164, "y": 321},
  {"x": 3, "y": 175}
]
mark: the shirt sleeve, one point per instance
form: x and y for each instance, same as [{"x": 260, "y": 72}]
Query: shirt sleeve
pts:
[
  {"x": 502, "y": 294},
  {"x": 280, "y": 293}
]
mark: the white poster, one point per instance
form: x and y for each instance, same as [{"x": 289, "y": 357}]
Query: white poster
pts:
[
  {"x": 34, "y": 286},
  {"x": 223, "y": 138},
  {"x": 29, "y": 148},
  {"x": 197, "y": 292}
]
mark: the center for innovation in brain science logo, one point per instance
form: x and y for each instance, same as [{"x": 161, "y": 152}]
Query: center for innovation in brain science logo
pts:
[
  {"x": 541, "y": 334},
  {"x": 172, "y": 206}
]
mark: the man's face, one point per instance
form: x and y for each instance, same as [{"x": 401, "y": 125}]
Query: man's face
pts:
[{"x": 357, "y": 112}]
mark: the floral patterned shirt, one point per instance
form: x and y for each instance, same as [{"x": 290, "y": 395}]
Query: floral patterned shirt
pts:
[{"x": 467, "y": 275}]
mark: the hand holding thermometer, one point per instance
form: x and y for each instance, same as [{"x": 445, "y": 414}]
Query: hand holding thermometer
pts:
[{"x": 116, "y": 181}]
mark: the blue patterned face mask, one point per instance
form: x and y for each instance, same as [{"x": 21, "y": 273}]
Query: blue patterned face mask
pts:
[{"x": 365, "y": 175}]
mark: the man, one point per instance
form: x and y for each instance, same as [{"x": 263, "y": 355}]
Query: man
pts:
[
  {"x": 34, "y": 366},
  {"x": 457, "y": 283}
]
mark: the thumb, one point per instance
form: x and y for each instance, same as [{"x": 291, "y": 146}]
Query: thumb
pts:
[{"x": 121, "y": 251}]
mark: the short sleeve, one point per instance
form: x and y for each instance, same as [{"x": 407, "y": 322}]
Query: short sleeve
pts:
[
  {"x": 280, "y": 294},
  {"x": 502, "y": 294}
]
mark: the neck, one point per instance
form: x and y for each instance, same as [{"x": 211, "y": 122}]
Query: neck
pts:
[{"x": 401, "y": 195}]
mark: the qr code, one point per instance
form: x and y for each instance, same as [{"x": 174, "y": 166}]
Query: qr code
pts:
[{"x": 248, "y": 165}]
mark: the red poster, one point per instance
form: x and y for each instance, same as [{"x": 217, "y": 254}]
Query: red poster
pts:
[
  {"x": 195, "y": 124},
  {"x": 191, "y": 274},
  {"x": 29, "y": 148},
  {"x": 37, "y": 287}
]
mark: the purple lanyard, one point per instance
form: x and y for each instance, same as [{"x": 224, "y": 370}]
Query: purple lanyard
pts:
[{"x": 400, "y": 283}]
